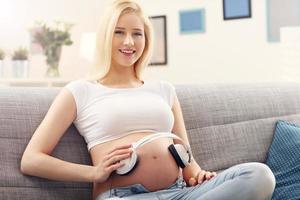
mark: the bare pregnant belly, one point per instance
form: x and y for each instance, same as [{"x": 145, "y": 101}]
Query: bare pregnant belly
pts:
[{"x": 156, "y": 169}]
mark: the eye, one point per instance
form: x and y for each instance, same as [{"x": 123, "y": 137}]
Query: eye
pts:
[
  {"x": 119, "y": 32},
  {"x": 138, "y": 34}
]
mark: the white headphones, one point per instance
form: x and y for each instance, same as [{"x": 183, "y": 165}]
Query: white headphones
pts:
[{"x": 181, "y": 153}]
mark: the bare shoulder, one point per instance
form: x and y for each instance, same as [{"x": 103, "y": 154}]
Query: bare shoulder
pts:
[{"x": 64, "y": 102}]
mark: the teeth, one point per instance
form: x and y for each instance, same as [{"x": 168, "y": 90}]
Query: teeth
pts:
[{"x": 127, "y": 51}]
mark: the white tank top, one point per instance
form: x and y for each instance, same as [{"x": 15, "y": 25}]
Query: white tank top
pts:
[{"x": 105, "y": 114}]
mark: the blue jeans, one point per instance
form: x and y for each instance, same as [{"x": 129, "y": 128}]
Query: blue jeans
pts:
[{"x": 247, "y": 181}]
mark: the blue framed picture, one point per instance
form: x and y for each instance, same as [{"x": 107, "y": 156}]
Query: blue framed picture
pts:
[
  {"x": 192, "y": 21},
  {"x": 236, "y": 9}
]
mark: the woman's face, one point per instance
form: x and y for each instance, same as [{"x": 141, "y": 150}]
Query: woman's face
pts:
[{"x": 128, "y": 40}]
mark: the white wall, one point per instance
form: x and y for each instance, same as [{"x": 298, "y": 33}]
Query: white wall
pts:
[{"x": 229, "y": 51}]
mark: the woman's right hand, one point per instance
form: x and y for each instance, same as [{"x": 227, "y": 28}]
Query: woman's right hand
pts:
[{"x": 111, "y": 162}]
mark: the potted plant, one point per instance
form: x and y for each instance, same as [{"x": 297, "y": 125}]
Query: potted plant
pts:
[
  {"x": 51, "y": 39},
  {"x": 20, "y": 63},
  {"x": 2, "y": 56}
]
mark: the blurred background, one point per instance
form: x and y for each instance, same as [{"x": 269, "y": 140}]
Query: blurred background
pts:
[{"x": 198, "y": 41}]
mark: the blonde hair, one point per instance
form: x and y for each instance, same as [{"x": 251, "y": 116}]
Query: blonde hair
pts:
[{"x": 103, "y": 52}]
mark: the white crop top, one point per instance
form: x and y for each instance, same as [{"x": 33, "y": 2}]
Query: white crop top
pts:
[{"x": 105, "y": 114}]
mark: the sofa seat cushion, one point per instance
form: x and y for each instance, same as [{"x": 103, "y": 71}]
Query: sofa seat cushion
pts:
[{"x": 284, "y": 160}]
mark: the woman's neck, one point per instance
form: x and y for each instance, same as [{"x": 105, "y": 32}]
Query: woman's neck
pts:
[{"x": 124, "y": 77}]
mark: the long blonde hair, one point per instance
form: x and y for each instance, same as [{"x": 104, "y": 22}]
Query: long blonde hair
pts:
[{"x": 103, "y": 52}]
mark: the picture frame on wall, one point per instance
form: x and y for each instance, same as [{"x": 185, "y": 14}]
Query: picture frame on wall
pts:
[
  {"x": 288, "y": 17},
  {"x": 192, "y": 21},
  {"x": 236, "y": 9},
  {"x": 159, "y": 55}
]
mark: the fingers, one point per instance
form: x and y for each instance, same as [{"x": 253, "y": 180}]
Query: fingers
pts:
[
  {"x": 117, "y": 153},
  {"x": 208, "y": 175},
  {"x": 118, "y": 150},
  {"x": 112, "y": 160},
  {"x": 114, "y": 163},
  {"x": 205, "y": 176},
  {"x": 201, "y": 176},
  {"x": 116, "y": 158},
  {"x": 211, "y": 175},
  {"x": 114, "y": 166}
]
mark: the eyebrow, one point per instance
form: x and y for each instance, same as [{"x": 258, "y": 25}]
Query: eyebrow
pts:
[{"x": 136, "y": 29}]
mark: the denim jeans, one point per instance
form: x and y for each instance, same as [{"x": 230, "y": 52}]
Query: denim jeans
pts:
[{"x": 247, "y": 181}]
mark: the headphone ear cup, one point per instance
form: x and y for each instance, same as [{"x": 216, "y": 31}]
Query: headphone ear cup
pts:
[
  {"x": 176, "y": 156},
  {"x": 132, "y": 169},
  {"x": 130, "y": 164}
]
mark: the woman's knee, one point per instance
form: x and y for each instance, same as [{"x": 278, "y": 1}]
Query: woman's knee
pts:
[
  {"x": 264, "y": 178},
  {"x": 266, "y": 173}
]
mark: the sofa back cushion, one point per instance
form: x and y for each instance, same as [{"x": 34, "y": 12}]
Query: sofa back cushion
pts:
[{"x": 234, "y": 123}]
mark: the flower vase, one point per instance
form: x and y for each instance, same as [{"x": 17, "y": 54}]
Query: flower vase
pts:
[
  {"x": 20, "y": 68},
  {"x": 52, "y": 71},
  {"x": 53, "y": 56}
]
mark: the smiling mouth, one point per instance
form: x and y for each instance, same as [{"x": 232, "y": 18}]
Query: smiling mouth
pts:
[{"x": 127, "y": 52}]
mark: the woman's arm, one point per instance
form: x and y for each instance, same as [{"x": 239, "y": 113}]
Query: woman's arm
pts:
[
  {"x": 193, "y": 173},
  {"x": 37, "y": 159}
]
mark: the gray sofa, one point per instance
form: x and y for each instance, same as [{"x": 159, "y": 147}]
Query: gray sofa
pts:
[{"x": 227, "y": 124}]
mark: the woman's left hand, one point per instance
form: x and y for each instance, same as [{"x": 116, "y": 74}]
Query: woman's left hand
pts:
[{"x": 201, "y": 177}]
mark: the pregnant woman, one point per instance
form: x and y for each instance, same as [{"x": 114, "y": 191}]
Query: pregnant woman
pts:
[{"x": 124, "y": 119}]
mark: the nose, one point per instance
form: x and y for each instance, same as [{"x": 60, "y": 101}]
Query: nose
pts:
[{"x": 128, "y": 40}]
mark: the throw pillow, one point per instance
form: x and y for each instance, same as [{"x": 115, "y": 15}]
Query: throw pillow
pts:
[{"x": 284, "y": 160}]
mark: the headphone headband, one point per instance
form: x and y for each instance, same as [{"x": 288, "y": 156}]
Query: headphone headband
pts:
[
  {"x": 155, "y": 136},
  {"x": 180, "y": 152}
]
